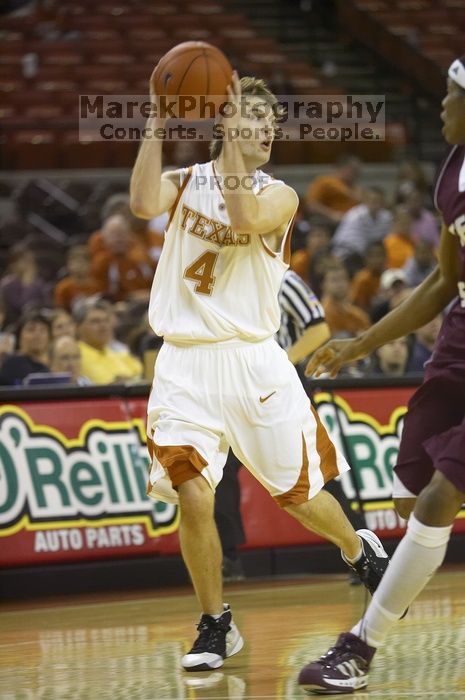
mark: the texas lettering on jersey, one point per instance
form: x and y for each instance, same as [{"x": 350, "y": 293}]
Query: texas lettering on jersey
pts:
[{"x": 211, "y": 230}]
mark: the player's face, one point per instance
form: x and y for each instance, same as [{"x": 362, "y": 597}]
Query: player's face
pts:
[
  {"x": 257, "y": 129},
  {"x": 453, "y": 113}
]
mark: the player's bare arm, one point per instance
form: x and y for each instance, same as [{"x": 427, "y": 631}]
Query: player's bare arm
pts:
[
  {"x": 152, "y": 192},
  {"x": 424, "y": 304},
  {"x": 309, "y": 341},
  {"x": 261, "y": 214}
]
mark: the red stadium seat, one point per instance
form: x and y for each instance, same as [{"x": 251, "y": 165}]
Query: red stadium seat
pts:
[
  {"x": 101, "y": 34},
  {"x": 57, "y": 85},
  {"x": 109, "y": 86},
  {"x": 160, "y": 8},
  {"x": 12, "y": 86},
  {"x": 146, "y": 34},
  {"x": 94, "y": 72},
  {"x": 45, "y": 112},
  {"x": 32, "y": 149},
  {"x": 114, "y": 59},
  {"x": 205, "y": 8},
  {"x": 52, "y": 56}
]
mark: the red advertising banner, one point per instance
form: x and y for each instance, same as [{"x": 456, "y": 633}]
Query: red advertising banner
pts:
[{"x": 73, "y": 476}]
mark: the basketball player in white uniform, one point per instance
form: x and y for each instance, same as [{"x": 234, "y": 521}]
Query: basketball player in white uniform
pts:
[{"x": 221, "y": 378}]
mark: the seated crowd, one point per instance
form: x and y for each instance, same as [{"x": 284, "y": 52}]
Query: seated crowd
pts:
[{"x": 361, "y": 257}]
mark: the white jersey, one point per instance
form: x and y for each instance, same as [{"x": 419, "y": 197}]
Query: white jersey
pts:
[{"x": 212, "y": 284}]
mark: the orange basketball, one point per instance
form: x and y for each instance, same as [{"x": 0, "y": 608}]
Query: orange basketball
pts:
[{"x": 193, "y": 68}]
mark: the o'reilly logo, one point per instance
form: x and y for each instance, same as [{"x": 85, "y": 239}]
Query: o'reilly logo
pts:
[{"x": 46, "y": 477}]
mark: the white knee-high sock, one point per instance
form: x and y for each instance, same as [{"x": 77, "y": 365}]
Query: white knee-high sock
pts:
[{"x": 415, "y": 560}]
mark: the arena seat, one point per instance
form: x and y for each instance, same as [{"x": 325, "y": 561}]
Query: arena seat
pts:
[{"x": 34, "y": 149}]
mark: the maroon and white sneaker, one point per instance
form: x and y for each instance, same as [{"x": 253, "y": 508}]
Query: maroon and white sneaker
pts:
[{"x": 343, "y": 669}]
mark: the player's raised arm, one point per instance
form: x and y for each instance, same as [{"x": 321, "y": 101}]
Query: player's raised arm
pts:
[
  {"x": 152, "y": 192},
  {"x": 250, "y": 212},
  {"x": 424, "y": 304}
]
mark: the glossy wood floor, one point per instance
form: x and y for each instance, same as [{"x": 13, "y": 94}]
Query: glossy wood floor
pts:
[{"x": 128, "y": 647}]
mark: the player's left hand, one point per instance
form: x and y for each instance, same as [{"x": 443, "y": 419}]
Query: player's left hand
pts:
[{"x": 234, "y": 92}]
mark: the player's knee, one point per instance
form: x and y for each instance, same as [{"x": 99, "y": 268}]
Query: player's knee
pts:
[
  {"x": 196, "y": 498},
  {"x": 439, "y": 501},
  {"x": 404, "y": 506}
]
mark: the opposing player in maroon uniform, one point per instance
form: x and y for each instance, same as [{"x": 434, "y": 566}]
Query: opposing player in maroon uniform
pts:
[{"x": 429, "y": 481}]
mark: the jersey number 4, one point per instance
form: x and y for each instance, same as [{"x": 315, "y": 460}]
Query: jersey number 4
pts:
[{"x": 201, "y": 272}]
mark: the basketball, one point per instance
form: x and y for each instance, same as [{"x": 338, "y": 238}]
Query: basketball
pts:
[{"x": 193, "y": 68}]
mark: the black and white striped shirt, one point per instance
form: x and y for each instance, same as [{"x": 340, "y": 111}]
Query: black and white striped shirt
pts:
[{"x": 300, "y": 309}]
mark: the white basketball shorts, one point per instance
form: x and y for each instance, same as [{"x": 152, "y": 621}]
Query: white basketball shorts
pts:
[{"x": 247, "y": 396}]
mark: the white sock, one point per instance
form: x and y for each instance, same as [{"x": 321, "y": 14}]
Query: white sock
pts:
[{"x": 415, "y": 560}]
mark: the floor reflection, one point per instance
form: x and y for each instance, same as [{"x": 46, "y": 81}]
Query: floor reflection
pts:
[{"x": 130, "y": 649}]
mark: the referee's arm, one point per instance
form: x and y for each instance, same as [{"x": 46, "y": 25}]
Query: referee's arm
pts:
[
  {"x": 309, "y": 341},
  {"x": 307, "y": 315}
]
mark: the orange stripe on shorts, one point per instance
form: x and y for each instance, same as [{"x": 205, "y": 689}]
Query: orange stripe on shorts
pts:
[
  {"x": 325, "y": 449},
  {"x": 299, "y": 492}
]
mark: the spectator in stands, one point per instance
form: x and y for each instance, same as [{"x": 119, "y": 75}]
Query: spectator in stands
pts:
[
  {"x": 22, "y": 288},
  {"x": 423, "y": 345},
  {"x": 120, "y": 270},
  {"x": 320, "y": 261},
  {"x": 421, "y": 264},
  {"x": 62, "y": 324},
  {"x": 333, "y": 195},
  {"x": 33, "y": 340},
  {"x": 365, "y": 284},
  {"x": 7, "y": 339},
  {"x": 301, "y": 227},
  {"x": 410, "y": 177},
  {"x": 148, "y": 235},
  {"x": 393, "y": 289},
  {"x": 65, "y": 356},
  {"x": 425, "y": 226},
  {"x": 363, "y": 224},
  {"x": 100, "y": 363},
  {"x": 318, "y": 238},
  {"x": 399, "y": 243},
  {"x": 341, "y": 314},
  {"x": 391, "y": 359},
  {"x": 79, "y": 282}
]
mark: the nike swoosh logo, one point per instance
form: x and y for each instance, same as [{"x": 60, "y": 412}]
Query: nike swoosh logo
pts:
[{"x": 265, "y": 398}]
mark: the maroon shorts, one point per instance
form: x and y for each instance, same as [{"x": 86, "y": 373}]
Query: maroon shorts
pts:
[{"x": 434, "y": 433}]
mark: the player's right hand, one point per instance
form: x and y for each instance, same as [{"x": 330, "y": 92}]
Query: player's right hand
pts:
[{"x": 330, "y": 357}]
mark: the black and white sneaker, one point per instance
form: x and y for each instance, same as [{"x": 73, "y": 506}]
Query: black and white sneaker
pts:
[
  {"x": 217, "y": 640},
  {"x": 373, "y": 562}
]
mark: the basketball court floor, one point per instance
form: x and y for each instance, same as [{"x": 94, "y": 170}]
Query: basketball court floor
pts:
[{"x": 127, "y": 647}]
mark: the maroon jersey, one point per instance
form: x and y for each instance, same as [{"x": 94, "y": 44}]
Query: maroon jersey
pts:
[{"x": 450, "y": 200}]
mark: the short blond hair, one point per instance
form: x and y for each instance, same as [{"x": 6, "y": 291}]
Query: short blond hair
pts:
[{"x": 256, "y": 87}]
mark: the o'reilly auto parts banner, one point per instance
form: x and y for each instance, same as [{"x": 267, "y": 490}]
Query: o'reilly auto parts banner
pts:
[{"x": 73, "y": 477}]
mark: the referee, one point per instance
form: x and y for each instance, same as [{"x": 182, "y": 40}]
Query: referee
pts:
[{"x": 303, "y": 327}]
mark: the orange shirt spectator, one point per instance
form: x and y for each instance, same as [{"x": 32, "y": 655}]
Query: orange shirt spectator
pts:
[
  {"x": 148, "y": 235},
  {"x": 318, "y": 238},
  {"x": 146, "y": 242},
  {"x": 365, "y": 284},
  {"x": 364, "y": 287},
  {"x": 399, "y": 249},
  {"x": 399, "y": 244},
  {"x": 341, "y": 315},
  {"x": 78, "y": 283},
  {"x": 121, "y": 271},
  {"x": 333, "y": 195}
]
